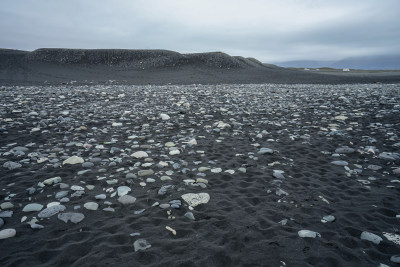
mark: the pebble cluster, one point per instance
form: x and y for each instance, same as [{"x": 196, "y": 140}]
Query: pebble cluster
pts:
[{"x": 69, "y": 152}]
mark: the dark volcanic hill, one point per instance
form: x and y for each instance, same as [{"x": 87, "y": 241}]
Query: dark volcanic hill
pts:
[{"x": 56, "y": 65}]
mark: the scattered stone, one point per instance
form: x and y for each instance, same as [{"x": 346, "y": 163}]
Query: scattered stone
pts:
[
  {"x": 71, "y": 216},
  {"x": 371, "y": 237},
  {"x": 308, "y": 233},
  {"x": 53, "y": 180},
  {"x": 7, "y": 233},
  {"x": 216, "y": 170},
  {"x": 171, "y": 230},
  {"x": 340, "y": 163},
  {"x": 73, "y": 160},
  {"x": 141, "y": 244},
  {"x": 164, "y": 117},
  {"x": 6, "y": 214},
  {"x": 392, "y": 237},
  {"x": 140, "y": 154},
  {"x": 196, "y": 199},
  {"x": 123, "y": 190},
  {"x": 163, "y": 190},
  {"x": 265, "y": 150},
  {"x": 36, "y": 226},
  {"x": 202, "y": 180},
  {"x": 50, "y": 211},
  {"x": 77, "y": 188},
  {"x": 126, "y": 200},
  {"x": 91, "y": 205},
  {"x": 61, "y": 194},
  {"x": 100, "y": 197},
  {"x": 6, "y": 205},
  {"x": 11, "y": 165},
  {"x": 32, "y": 207},
  {"x": 145, "y": 172},
  {"x": 328, "y": 218},
  {"x": 395, "y": 258},
  {"x": 189, "y": 215}
]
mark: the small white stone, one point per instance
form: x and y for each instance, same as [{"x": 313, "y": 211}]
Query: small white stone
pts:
[
  {"x": 53, "y": 180},
  {"x": 175, "y": 152},
  {"x": 392, "y": 237},
  {"x": 32, "y": 207},
  {"x": 196, "y": 199},
  {"x": 216, "y": 170},
  {"x": 371, "y": 237},
  {"x": 77, "y": 188},
  {"x": 171, "y": 230},
  {"x": 123, "y": 190},
  {"x": 164, "y": 117},
  {"x": 126, "y": 200},
  {"x": 308, "y": 233},
  {"x": 7, "y": 233},
  {"x": 140, "y": 154},
  {"x": 73, "y": 160},
  {"x": 91, "y": 205}
]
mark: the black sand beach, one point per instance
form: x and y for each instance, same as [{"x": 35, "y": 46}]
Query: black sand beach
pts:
[
  {"x": 100, "y": 165},
  {"x": 274, "y": 160}
]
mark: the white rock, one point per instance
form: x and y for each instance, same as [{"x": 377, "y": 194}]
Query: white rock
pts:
[
  {"x": 126, "y": 200},
  {"x": 6, "y": 205},
  {"x": 164, "y": 117},
  {"x": 328, "y": 218},
  {"x": 51, "y": 204},
  {"x": 371, "y": 237},
  {"x": 101, "y": 196},
  {"x": 192, "y": 142},
  {"x": 91, "y": 205},
  {"x": 175, "y": 152},
  {"x": 171, "y": 230},
  {"x": 32, "y": 207},
  {"x": 71, "y": 216},
  {"x": 140, "y": 154},
  {"x": 141, "y": 244},
  {"x": 392, "y": 237},
  {"x": 117, "y": 124},
  {"x": 216, "y": 170},
  {"x": 308, "y": 233},
  {"x": 196, "y": 199},
  {"x": 7, "y": 233},
  {"x": 73, "y": 160},
  {"x": 51, "y": 181},
  {"x": 123, "y": 190},
  {"x": 50, "y": 211},
  {"x": 77, "y": 188},
  {"x": 169, "y": 144},
  {"x": 341, "y": 118}
]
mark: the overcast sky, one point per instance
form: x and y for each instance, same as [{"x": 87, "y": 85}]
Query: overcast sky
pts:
[{"x": 270, "y": 31}]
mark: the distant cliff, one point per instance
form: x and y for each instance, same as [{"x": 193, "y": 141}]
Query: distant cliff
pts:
[{"x": 135, "y": 59}]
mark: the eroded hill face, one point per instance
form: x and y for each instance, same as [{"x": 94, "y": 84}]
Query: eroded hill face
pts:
[
  {"x": 123, "y": 66},
  {"x": 137, "y": 59}
]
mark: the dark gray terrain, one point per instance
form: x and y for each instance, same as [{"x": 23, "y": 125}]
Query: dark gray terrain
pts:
[
  {"x": 138, "y": 67},
  {"x": 200, "y": 175}
]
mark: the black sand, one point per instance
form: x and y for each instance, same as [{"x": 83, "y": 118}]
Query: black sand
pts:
[{"x": 252, "y": 218}]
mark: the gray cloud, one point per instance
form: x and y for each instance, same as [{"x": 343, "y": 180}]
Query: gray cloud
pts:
[{"x": 268, "y": 30}]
